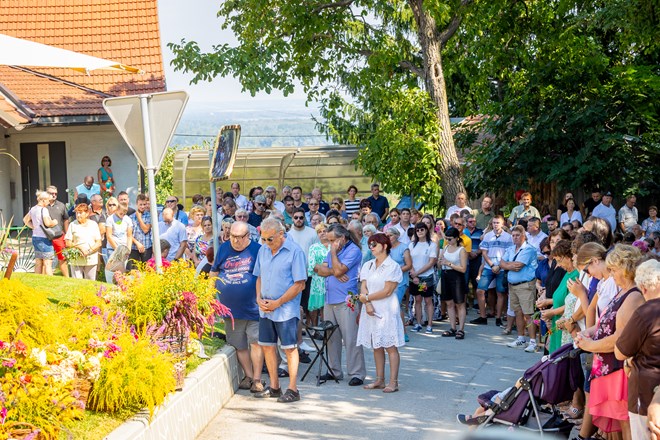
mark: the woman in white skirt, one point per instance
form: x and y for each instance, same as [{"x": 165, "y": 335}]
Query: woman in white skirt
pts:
[{"x": 380, "y": 323}]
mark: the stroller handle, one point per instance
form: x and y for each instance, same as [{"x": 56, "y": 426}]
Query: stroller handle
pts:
[{"x": 575, "y": 353}]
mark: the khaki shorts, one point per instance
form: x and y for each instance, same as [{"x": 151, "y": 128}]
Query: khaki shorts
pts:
[
  {"x": 522, "y": 297},
  {"x": 243, "y": 334}
]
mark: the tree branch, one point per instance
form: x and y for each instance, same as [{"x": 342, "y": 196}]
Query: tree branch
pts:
[
  {"x": 339, "y": 4},
  {"x": 454, "y": 24}
]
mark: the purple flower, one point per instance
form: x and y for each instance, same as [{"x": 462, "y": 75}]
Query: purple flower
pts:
[
  {"x": 8, "y": 363},
  {"x": 96, "y": 310}
]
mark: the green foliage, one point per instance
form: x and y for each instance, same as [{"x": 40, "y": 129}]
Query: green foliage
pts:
[
  {"x": 164, "y": 178},
  {"x": 360, "y": 60},
  {"x": 571, "y": 89},
  {"x": 138, "y": 375}
]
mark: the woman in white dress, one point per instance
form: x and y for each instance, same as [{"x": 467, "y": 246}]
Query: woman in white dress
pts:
[{"x": 380, "y": 323}]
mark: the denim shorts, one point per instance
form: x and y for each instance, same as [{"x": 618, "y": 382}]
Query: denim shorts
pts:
[
  {"x": 43, "y": 248},
  {"x": 287, "y": 331},
  {"x": 487, "y": 277}
]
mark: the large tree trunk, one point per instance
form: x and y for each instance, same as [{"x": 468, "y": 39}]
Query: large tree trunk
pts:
[{"x": 451, "y": 179}]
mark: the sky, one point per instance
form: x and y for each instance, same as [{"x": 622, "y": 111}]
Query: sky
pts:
[{"x": 197, "y": 20}]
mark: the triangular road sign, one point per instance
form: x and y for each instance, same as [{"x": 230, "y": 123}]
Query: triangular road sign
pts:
[{"x": 164, "y": 110}]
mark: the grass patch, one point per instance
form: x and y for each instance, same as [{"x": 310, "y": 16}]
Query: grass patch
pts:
[{"x": 96, "y": 425}]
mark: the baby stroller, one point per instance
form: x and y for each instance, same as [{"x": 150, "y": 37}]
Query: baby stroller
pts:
[{"x": 552, "y": 380}]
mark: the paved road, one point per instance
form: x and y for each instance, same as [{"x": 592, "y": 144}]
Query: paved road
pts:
[{"x": 439, "y": 378}]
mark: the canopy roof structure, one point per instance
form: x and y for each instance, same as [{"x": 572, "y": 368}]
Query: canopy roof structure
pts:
[{"x": 19, "y": 52}]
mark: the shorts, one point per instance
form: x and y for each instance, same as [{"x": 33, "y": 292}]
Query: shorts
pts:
[
  {"x": 59, "y": 245},
  {"x": 304, "y": 299},
  {"x": 43, "y": 248},
  {"x": 244, "y": 333},
  {"x": 286, "y": 331},
  {"x": 426, "y": 292},
  {"x": 487, "y": 276},
  {"x": 400, "y": 291},
  {"x": 454, "y": 287},
  {"x": 522, "y": 297}
]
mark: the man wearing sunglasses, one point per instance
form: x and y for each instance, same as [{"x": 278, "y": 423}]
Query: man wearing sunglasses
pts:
[
  {"x": 258, "y": 213},
  {"x": 281, "y": 274},
  {"x": 172, "y": 202}
]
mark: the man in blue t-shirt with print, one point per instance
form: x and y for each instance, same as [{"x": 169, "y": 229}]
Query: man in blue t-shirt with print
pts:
[{"x": 236, "y": 286}]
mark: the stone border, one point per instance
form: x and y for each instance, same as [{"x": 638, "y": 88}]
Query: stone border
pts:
[{"x": 185, "y": 414}]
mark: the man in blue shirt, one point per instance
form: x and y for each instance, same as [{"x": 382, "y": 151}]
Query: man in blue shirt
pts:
[
  {"x": 379, "y": 204},
  {"x": 175, "y": 233},
  {"x": 281, "y": 273},
  {"x": 237, "y": 289},
  {"x": 520, "y": 261},
  {"x": 341, "y": 269},
  {"x": 142, "y": 248}
]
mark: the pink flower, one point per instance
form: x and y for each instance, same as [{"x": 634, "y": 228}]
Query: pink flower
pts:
[
  {"x": 8, "y": 363},
  {"x": 3, "y": 415},
  {"x": 111, "y": 349},
  {"x": 3, "y": 345},
  {"x": 95, "y": 310},
  {"x": 20, "y": 347}
]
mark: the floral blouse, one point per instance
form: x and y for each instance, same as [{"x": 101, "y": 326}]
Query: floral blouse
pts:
[{"x": 606, "y": 363}]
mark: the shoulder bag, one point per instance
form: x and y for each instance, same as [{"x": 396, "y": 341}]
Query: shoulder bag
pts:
[{"x": 51, "y": 233}]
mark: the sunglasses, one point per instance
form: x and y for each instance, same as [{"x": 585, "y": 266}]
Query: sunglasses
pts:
[
  {"x": 170, "y": 201},
  {"x": 298, "y": 218},
  {"x": 258, "y": 203},
  {"x": 269, "y": 239},
  {"x": 372, "y": 245}
]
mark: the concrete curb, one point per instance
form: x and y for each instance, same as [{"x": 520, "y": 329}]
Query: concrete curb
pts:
[{"x": 186, "y": 413}]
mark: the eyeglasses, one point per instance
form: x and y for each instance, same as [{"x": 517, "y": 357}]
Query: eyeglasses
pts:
[
  {"x": 238, "y": 237},
  {"x": 170, "y": 201},
  {"x": 52, "y": 193},
  {"x": 298, "y": 218},
  {"x": 258, "y": 203},
  {"x": 586, "y": 267},
  {"x": 372, "y": 245},
  {"x": 269, "y": 239},
  {"x": 112, "y": 204},
  {"x": 420, "y": 230}
]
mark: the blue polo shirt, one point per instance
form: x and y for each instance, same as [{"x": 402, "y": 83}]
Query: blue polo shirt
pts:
[
  {"x": 351, "y": 257},
  {"x": 278, "y": 273},
  {"x": 380, "y": 206},
  {"x": 526, "y": 255}
]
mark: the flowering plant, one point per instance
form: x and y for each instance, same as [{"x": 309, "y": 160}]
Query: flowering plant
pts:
[
  {"x": 72, "y": 254},
  {"x": 352, "y": 300}
]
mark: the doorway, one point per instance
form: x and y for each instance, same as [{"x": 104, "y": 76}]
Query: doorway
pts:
[{"x": 43, "y": 164}]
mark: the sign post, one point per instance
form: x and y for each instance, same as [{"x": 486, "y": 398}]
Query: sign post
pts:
[
  {"x": 147, "y": 123},
  {"x": 221, "y": 164}
]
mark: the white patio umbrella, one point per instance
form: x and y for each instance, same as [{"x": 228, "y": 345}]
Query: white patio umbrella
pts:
[{"x": 19, "y": 52}]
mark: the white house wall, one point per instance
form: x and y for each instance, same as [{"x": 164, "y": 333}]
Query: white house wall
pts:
[
  {"x": 5, "y": 168},
  {"x": 85, "y": 146}
]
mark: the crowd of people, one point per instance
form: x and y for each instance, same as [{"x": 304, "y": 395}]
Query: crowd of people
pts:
[{"x": 291, "y": 261}]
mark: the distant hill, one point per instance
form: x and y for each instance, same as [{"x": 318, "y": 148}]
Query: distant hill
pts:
[{"x": 268, "y": 124}]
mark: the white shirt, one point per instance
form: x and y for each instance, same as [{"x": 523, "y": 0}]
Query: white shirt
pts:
[
  {"x": 278, "y": 205},
  {"x": 241, "y": 201},
  {"x": 607, "y": 213},
  {"x": 455, "y": 210},
  {"x": 535, "y": 240},
  {"x": 403, "y": 233},
  {"x": 304, "y": 238},
  {"x": 606, "y": 290},
  {"x": 628, "y": 216},
  {"x": 575, "y": 216},
  {"x": 421, "y": 254}
]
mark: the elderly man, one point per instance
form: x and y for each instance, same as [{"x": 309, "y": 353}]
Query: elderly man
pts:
[
  {"x": 228, "y": 210},
  {"x": 461, "y": 204},
  {"x": 88, "y": 187},
  {"x": 341, "y": 269},
  {"x": 628, "y": 215},
  {"x": 371, "y": 219},
  {"x": 240, "y": 199},
  {"x": 237, "y": 289},
  {"x": 281, "y": 274},
  {"x": 523, "y": 211},
  {"x": 313, "y": 206},
  {"x": 57, "y": 211},
  {"x": 175, "y": 233},
  {"x": 317, "y": 194},
  {"x": 520, "y": 260},
  {"x": 276, "y": 203},
  {"x": 172, "y": 202},
  {"x": 258, "y": 213},
  {"x": 142, "y": 248},
  {"x": 606, "y": 211},
  {"x": 535, "y": 235},
  {"x": 242, "y": 216}
]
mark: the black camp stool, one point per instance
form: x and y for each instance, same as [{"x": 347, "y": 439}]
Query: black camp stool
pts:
[{"x": 327, "y": 329}]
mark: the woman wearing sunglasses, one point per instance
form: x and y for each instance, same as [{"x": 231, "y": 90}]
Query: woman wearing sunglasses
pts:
[
  {"x": 454, "y": 287},
  {"x": 424, "y": 254}
]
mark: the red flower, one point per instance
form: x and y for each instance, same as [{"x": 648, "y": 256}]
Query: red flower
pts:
[{"x": 20, "y": 347}]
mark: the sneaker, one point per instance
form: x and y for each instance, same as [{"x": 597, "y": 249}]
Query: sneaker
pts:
[
  {"x": 417, "y": 328},
  {"x": 306, "y": 347},
  {"x": 289, "y": 396},
  {"x": 517, "y": 343},
  {"x": 429, "y": 329},
  {"x": 498, "y": 322},
  {"x": 480, "y": 321},
  {"x": 269, "y": 392},
  {"x": 304, "y": 358},
  {"x": 531, "y": 348}
]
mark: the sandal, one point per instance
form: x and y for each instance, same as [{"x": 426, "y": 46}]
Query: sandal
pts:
[
  {"x": 375, "y": 385},
  {"x": 460, "y": 334},
  {"x": 572, "y": 413},
  {"x": 281, "y": 372},
  {"x": 394, "y": 389},
  {"x": 449, "y": 333}
]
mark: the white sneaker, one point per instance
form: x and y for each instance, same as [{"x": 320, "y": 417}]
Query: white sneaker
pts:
[
  {"x": 306, "y": 347},
  {"x": 531, "y": 348},
  {"x": 519, "y": 342}
]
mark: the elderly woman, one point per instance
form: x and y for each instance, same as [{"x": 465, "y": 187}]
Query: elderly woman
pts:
[
  {"x": 84, "y": 235},
  {"x": 563, "y": 255},
  {"x": 193, "y": 230},
  {"x": 381, "y": 327},
  {"x": 651, "y": 224},
  {"x": 317, "y": 255},
  {"x": 608, "y": 404},
  {"x": 367, "y": 231},
  {"x": 639, "y": 347},
  {"x": 36, "y": 219},
  {"x": 399, "y": 252},
  {"x": 202, "y": 242}
]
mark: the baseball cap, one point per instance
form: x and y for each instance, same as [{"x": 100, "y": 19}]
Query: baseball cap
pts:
[{"x": 608, "y": 193}]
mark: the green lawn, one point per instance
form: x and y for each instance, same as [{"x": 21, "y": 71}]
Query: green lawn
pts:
[{"x": 96, "y": 425}]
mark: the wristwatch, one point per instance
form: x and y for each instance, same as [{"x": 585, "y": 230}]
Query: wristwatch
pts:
[{"x": 367, "y": 297}]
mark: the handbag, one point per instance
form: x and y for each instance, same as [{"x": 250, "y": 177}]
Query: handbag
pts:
[{"x": 53, "y": 232}]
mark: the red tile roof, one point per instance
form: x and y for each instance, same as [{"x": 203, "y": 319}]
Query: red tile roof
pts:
[{"x": 120, "y": 30}]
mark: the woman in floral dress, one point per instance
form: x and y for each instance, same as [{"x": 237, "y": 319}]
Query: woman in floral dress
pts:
[
  {"x": 608, "y": 401},
  {"x": 317, "y": 254}
]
